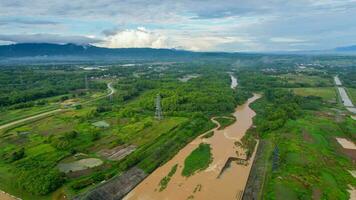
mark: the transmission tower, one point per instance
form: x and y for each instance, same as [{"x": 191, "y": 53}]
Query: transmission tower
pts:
[{"x": 158, "y": 115}]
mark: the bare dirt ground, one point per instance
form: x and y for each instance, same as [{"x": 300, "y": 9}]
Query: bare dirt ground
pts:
[
  {"x": 117, "y": 153},
  {"x": 316, "y": 194},
  {"x": 5, "y": 196},
  {"x": 352, "y": 192},
  {"x": 350, "y": 153},
  {"x": 307, "y": 137},
  {"x": 80, "y": 165}
]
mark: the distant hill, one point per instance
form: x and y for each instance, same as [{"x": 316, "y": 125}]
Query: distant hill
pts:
[
  {"x": 88, "y": 51},
  {"x": 346, "y": 49}
]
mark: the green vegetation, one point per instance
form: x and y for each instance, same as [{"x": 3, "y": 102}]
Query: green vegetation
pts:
[
  {"x": 306, "y": 80},
  {"x": 209, "y": 134},
  {"x": 187, "y": 109},
  {"x": 296, "y": 123},
  {"x": 165, "y": 180},
  {"x": 304, "y": 158},
  {"x": 352, "y": 94},
  {"x": 248, "y": 142},
  {"x": 24, "y": 87},
  {"x": 199, "y": 159},
  {"x": 326, "y": 93},
  {"x": 225, "y": 121}
]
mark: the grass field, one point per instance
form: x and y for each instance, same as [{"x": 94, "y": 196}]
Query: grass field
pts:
[
  {"x": 327, "y": 93},
  {"x": 310, "y": 161},
  {"x": 198, "y": 160},
  {"x": 12, "y": 115},
  {"x": 352, "y": 93},
  {"x": 9, "y": 115},
  {"x": 307, "y": 80}
]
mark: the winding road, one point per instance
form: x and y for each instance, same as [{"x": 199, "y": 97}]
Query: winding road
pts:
[{"x": 49, "y": 113}]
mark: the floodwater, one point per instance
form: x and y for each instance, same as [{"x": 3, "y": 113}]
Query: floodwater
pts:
[{"x": 205, "y": 185}]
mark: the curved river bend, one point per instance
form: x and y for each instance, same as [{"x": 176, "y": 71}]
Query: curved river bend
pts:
[{"x": 230, "y": 185}]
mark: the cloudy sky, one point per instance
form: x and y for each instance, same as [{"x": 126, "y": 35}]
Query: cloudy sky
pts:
[{"x": 199, "y": 25}]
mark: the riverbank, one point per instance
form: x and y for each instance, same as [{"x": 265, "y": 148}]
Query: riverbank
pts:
[
  {"x": 6, "y": 196},
  {"x": 229, "y": 185}
]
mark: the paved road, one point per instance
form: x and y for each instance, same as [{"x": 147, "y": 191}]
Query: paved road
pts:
[
  {"x": 49, "y": 113},
  {"x": 344, "y": 97}
]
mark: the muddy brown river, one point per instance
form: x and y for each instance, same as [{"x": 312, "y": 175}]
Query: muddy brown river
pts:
[{"x": 206, "y": 184}]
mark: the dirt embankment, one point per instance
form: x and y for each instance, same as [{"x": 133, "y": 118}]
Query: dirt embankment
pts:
[{"x": 5, "y": 196}]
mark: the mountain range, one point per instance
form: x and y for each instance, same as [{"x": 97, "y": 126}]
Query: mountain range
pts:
[{"x": 50, "y": 50}]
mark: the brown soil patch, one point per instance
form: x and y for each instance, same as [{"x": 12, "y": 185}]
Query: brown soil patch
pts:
[
  {"x": 118, "y": 152},
  {"x": 350, "y": 153},
  {"x": 5, "y": 196},
  {"x": 307, "y": 137},
  {"x": 316, "y": 194}
]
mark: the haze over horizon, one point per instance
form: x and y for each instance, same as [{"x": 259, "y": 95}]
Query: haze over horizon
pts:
[{"x": 200, "y": 25}]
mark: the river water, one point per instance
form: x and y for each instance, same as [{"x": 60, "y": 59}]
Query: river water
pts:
[{"x": 230, "y": 185}]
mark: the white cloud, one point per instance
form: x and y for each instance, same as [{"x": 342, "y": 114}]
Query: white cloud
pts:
[
  {"x": 287, "y": 40},
  {"x": 210, "y": 43},
  {"x": 139, "y": 37}
]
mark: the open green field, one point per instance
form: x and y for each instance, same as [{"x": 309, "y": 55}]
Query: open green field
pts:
[
  {"x": 199, "y": 159},
  {"x": 9, "y": 115},
  {"x": 306, "y": 160},
  {"x": 327, "y": 93},
  {"x": 13, "y": 115},
  {"x": 304, "y": 146},
  {"x": 304, "y": 80},
  {"x": 352, "y": 93}
]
